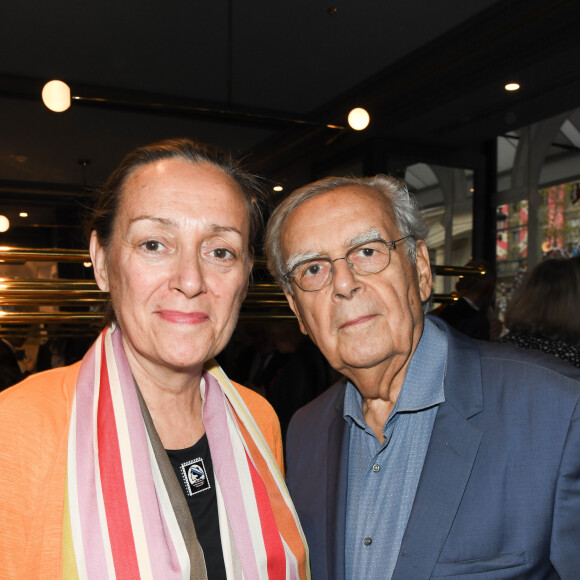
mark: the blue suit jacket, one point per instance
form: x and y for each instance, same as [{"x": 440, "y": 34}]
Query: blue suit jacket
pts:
[{"x": 499, "y": 494}]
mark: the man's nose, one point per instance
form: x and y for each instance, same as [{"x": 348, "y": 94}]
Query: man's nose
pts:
[{"x": 345, "y": 280}]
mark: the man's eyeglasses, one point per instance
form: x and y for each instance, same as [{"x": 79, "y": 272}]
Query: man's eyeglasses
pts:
[{"x": 367, "y": 258}]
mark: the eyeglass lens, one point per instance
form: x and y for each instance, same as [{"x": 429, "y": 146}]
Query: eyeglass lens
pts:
[{"x": 368, "y": 258}]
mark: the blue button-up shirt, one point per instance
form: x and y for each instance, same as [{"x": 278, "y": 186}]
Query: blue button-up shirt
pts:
[{"x": 383, "y": 479}]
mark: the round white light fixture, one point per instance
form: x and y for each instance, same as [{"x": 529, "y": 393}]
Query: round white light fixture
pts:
[
  {"x": 4, "y": 223},
  {"x": 512, "y": 87},
  {"x": 56, "y": 96},
  {"x": 278, "y": 188},
  {"x": 358, "y": 119}
]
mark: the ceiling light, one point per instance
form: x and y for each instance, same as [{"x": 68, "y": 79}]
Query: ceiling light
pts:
[
  {"x": 87, "y": 264},
  {"x": 56, "y": 96},
  {"x": 358, "y": 119},
  {"x": 277, "y": 188},
  {"x": 4, "y": 223},
  {"x": 512, "y": 87},
  {"x": 23, "y": 214}
]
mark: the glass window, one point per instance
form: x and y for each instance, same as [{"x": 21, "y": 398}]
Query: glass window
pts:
[
  {"x": 560, "y": 219},
  {"x": 512, "y": 237}
]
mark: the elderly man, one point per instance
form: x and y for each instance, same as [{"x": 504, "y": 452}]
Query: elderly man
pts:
[{"x": 437, "y": 456}]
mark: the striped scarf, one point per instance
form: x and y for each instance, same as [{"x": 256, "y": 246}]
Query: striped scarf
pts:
[{"x": 126, "y": 516}]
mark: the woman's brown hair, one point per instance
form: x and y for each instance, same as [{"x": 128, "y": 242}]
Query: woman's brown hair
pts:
[{"x": 547, "y": 302}]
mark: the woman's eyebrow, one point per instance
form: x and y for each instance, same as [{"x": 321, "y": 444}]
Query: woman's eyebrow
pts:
[
  {"x": 164, "y": 221},
  {"x": 171, "y": 223}
]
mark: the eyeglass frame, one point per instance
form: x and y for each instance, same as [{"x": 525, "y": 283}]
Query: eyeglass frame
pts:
[{"x": 391, "y": 245}]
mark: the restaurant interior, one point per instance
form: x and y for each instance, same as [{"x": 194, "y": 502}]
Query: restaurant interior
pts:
[{"x": 476, "y": 105}]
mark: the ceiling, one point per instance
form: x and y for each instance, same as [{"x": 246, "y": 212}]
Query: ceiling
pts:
[{"x": 263, "y": 79}]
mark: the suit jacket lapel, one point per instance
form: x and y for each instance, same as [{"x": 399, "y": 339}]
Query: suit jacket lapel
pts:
[
  {"x": 337, "y": 479},
  {"x": 452, "y": 450}
]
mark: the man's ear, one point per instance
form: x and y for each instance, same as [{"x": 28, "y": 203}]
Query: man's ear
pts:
[
  {"x": 296, "y": 311},
  {"x": 99, "y": 260},
  {"x": 423, "y": 265}
]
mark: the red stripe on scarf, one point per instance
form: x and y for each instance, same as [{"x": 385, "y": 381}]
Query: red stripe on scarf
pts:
[
  {"x": 282, "y": 514},
  {"x": 113, "y": 486},
  {"x": 272, "y": 542}
]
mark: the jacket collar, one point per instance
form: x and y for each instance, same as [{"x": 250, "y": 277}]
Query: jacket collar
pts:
[
  {"x": 450, "y": 457},
  {"x": 337, "y": 481},
  {"x": 463, "y": 388}
]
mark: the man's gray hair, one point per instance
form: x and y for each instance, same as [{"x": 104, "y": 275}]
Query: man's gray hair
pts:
[{"x": 408, "y": 217}]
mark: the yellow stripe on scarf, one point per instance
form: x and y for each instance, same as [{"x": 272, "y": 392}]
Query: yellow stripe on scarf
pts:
[{"x": 69, "y": 563}]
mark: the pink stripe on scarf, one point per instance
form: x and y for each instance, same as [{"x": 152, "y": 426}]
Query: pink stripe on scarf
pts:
[
  {"x": 94, "y": 550},
  {"x": 224, "y": 463}
]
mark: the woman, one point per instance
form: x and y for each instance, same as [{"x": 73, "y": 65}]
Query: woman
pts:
[
  {"x": 543, "y": 314},
  {"x": 143, "y": 460}
]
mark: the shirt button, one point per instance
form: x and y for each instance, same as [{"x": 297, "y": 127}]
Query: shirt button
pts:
[
  {"x": 376, "y": 467},
  {"x": 368, "y": 541}
]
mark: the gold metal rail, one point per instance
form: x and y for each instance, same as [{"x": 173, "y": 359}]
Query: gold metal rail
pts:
[
  {"x": 25, "y": 301},
  {"x": 8, "y": 254}
]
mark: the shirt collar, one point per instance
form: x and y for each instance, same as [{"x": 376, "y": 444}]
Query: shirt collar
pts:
[{"x": 424, "y": 379}]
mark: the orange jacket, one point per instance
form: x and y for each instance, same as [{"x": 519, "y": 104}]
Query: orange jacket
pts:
[{"x": 34, "y": 421}]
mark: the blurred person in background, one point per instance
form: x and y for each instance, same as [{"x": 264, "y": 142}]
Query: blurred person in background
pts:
[
  {"x": 10, "y": 372},
  {"x": 544, "y": 313},
  {"x": 473, "y": 312}
]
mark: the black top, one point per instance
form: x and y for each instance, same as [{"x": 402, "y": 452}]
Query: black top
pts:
[
  {"x": 194, "y": 470},
  {"x": 560, "y": 348}
]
